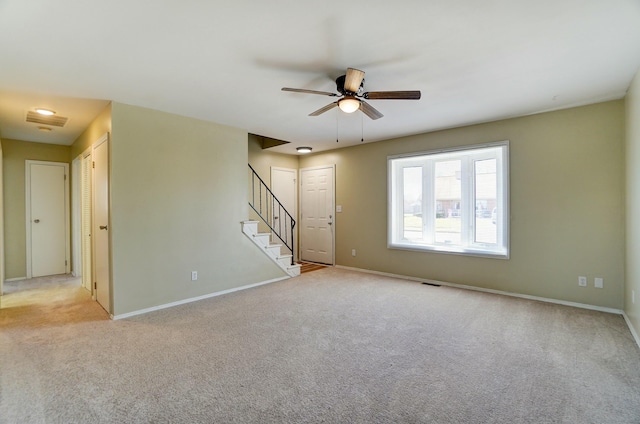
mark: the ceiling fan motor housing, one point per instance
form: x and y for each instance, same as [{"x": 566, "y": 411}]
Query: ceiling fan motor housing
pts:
[{"x": 340, "y": 86}]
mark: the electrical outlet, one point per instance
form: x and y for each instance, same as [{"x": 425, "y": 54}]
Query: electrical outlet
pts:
[
  {"x": 194, "y": 275},
  {"x": 598, "y": 282},
  {"x": 582, "y": 281},
  {"x": 353, "y": 252}
]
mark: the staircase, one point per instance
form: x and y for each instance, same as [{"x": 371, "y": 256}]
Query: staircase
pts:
[
  {"x": 279, "y": 221},
  {"x": 263, "y": 241}
]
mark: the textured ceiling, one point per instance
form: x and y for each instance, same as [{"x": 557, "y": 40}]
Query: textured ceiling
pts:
[{"x": 226, "y": 61}]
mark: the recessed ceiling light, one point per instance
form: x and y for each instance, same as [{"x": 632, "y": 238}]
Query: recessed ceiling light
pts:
[
  {"x": 46, "y": 112},
  {"x": 303, "y": 149},
  {"x": 46, "y": 129}
]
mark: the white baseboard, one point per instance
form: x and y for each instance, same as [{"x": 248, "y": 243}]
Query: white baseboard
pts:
[
  {"x": 634, "y": 333},
  {"x": 481, "y": 289},
  {"x": 194, "y": 299}
]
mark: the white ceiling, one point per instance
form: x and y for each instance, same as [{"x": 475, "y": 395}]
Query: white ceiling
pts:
[{"x": 226, "y": 61}]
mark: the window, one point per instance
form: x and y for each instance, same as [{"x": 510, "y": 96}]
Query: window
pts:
[{"x": 451, "y": 200}]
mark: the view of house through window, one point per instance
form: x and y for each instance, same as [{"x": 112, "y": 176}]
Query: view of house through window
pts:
[{"x": 452, "y": 201}]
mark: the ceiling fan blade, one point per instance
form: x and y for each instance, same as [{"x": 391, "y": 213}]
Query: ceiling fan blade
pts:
[
  {"x": 353, "y": 80},
  {"x": 392, "y": 95},
  {"x": 324, "y": 109},
  {"x": 369, "y": 110},
  {"x": 302, "y": 90}
]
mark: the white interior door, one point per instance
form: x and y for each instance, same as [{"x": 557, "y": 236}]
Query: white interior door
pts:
[
  {"x": 283, "y": 186},
  {"x": 47, "y": 218},
  {"x": 100, "y": 232},
  {"x": 317, "y": 214}
]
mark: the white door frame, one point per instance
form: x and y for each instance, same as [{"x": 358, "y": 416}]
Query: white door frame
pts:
[
  {"x": 333, "y": 200},
  {"x": 94, "y": 239},
  {"x": 67, "y": 242},
  {"x": 76, "y": 265},
  {"x": 76, "y": 221}
]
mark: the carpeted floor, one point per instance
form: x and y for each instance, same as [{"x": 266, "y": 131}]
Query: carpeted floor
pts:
[{"x": 330, "y": 346}]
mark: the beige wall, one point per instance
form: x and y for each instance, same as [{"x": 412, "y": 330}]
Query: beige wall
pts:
[
  {"x": 632, "y": 270},
  {"x": 96, "y": 129},
  {"x": 262, "y": 160},
  {"x": 178, "y": 195},
  {"x": 15, "y": 153},
  {"x": 566, "y": 197}
]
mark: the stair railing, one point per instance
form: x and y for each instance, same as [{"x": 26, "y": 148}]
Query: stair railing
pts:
[{"x": 271, "y": 211}]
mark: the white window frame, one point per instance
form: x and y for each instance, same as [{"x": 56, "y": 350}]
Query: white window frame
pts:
[{"x": 427, "y": 159}]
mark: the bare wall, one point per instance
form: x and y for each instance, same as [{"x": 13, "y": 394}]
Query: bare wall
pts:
[
  {"x": 566, "y": 197},
  {"x": 178, "y": 196},
  {"x": 96, "y": 129},
  {"x": 15, "y": 153}
]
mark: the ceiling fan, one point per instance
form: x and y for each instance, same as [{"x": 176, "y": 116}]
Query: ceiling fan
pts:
[{"x": 351, "y": 88}]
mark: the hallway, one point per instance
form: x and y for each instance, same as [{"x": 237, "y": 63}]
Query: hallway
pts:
[{"x": 47, "y": 301}]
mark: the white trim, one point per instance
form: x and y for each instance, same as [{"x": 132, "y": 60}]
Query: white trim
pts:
[
  {"x": 67, "y": 217},
  {"x": 76, "y": 212},
  {"x": 426, "y": 160},
  {"x": 104, "y": 137},
  {"x": 194, "y": 299},
  {"x": 631, "y": 328},
  {"x": 450, "y": 149},
  {"x": 76, "y": 269},
  {"x": 481, "y": 289}
]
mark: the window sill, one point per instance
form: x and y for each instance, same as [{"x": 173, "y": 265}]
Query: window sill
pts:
[{"x": 454, "y": 250}]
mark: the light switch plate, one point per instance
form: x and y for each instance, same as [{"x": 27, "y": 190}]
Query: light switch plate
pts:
[{"x": 598, "y": 282}]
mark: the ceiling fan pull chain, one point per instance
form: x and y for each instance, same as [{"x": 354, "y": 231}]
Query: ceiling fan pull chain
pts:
[
  {"x": 336, "y": 126},
  {"x": 362, "y": 128}
]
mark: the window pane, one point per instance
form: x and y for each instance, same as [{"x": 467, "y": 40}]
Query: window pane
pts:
[
  {"x": 448, "y": 197},
  {"x": 451, "y": 200},
  {"x": 486, "y": 201},
  {"x": 412, "y": 202}
]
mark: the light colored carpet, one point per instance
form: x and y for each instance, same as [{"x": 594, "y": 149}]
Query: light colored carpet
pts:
[{"x": 330, "y": 346}]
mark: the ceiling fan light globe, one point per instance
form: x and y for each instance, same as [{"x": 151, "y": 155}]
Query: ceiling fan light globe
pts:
[{"x": 349, "y": 104}]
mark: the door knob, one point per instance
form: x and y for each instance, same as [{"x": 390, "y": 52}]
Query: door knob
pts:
[
  {"x": 103, "y": 227},
  {"x": 36, "y": 220}
]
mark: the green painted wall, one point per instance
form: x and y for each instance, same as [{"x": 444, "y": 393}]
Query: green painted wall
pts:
[
  {"x": 566, "y": 197},
  {"x": 178, "y": 195},
  {"x": 96, "y": 129}
]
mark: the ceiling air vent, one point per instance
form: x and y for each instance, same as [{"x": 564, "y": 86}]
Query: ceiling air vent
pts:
[{"x": 53, "y": 120}]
